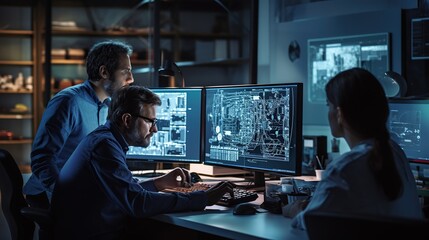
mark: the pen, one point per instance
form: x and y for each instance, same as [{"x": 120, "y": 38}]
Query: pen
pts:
[{"x": 320, "y": 163}]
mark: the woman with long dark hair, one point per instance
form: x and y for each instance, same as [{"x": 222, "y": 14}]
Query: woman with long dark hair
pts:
[{"x": 374, "y": 177}]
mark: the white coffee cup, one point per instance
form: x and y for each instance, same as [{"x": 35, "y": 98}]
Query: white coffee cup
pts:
[{"x": 319, "y": 173}]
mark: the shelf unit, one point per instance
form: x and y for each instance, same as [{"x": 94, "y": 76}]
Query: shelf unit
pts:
[
  {"x": 79, "y": 25},
  {"x": 158, "y": 30},
  {"x": 212, "y": 42},
  {"x": 178, "y": 30},
  {"x": 18, "y": 56}
]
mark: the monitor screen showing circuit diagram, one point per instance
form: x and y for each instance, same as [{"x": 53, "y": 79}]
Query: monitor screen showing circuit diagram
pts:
[
  {"x": 255, "y": 127},
  {"x": 179, "y": 128},
  {"x": 409, "y": 126}
]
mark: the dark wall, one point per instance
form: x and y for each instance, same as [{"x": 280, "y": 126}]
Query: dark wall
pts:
[{"x": 325, "y": 19}]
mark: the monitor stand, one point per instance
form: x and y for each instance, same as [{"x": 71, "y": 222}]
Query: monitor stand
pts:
[{"x": 258, "y": 182}]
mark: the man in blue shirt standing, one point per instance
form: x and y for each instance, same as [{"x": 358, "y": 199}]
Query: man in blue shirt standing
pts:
[
  {"x": 73, "y": 113},
  {"x": 96, "y": 196}
]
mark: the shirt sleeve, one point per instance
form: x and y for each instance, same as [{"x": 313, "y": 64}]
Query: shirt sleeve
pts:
[
  {"x": 49, "y": 140},
  {"x": 114, "y": 178},
  {"x": 328, "y": 196}
]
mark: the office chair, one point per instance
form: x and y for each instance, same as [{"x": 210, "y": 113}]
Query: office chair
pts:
[
  {"x": 329, "y": 225},
  {"x": 19, "y": 216}
]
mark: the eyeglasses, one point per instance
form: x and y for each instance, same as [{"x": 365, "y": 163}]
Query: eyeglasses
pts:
[
  {"x": 148, "y": 120},
  {"x": 125, "y": 71}
]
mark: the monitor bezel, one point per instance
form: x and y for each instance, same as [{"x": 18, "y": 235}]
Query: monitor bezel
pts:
[{"x": 298, "y": 132}]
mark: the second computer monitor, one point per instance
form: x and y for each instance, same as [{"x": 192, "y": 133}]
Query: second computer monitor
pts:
[
  {"x": 178, "y": 138},
  {"x": 409, "y": 127},
  {"x": 255, "y": 127}
]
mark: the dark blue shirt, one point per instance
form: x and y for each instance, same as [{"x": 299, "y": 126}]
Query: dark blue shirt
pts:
[
  {"x": 96, "y": 194},
  {"x": 70, "y": 115}
]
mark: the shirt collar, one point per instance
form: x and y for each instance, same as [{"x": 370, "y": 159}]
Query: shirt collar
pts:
[
  {"x": 94, "y": 96},
  {"x": 117, "y": 134}
]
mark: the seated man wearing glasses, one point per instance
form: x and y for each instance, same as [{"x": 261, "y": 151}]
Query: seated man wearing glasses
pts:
[{"x": 96, "y": 196}]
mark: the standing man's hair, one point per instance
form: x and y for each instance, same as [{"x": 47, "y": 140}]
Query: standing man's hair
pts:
[{"x": 105, "y": 53}]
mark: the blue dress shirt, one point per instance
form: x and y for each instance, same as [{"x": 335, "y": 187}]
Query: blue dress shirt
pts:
[
  {"x": 70, "y": 115},
  {"x": 96, "y": 194}
]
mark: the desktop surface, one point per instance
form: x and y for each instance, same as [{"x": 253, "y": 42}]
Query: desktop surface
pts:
[{"x": 220, "y": 221}]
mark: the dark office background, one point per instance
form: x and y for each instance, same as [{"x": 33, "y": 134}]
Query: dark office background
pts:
[{"x": 298, "y": 21}]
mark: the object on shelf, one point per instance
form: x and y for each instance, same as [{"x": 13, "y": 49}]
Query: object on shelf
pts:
[
  {"x": 20, "y": 108},
  {"x": 75, "y": 53},
  {"x": 29, "y": 83},
  {"x": 7, "y": 82},
  {"x": 65, "y": 25},
  {"x": 65, "y": 83},
  {"x": 58, "y": 53},
  {"x": 19, "y": 81},
  {"x": 77, "y": 81},
  {"x": 128, "y": 29},
  {"x": 6, "y": 135},
  {"x": 204, "y": 51},
  {"x": 220, "y": 49}
]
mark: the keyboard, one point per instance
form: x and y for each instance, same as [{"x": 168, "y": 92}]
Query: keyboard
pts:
[{"x": 240, "y": 195}]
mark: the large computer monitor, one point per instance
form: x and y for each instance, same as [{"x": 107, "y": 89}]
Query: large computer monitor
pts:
[
  {"x": 178, "y": 139},
  {"x": 329, "y": 56},
  {"x": 409, "y": 126},
  {"x": 255, "y": 127}
]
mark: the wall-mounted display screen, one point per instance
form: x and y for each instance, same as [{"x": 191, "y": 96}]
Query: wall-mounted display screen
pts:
[{"x": 329, "y": 56}]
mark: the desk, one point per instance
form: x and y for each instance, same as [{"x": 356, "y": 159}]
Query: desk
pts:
[{"x": 219, "y": 221}]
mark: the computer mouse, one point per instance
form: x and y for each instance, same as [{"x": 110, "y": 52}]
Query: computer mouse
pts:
[
  {"x": 195, "y": 177},
  {"x": 244, "y": 209}
]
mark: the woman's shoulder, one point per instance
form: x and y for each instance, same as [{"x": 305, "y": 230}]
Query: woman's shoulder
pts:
[{"x": 354, "y": 155}]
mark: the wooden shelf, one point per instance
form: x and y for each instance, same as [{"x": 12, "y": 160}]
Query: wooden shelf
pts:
[
  {"x": 83, "y": 32},
  {"x": 27, "y": 33},
  {"x": 143, "y": 33},
  {"x": 16, "y": 92},
  {"x": 68, "y": 61},
  {"x": 82, "y": 62},
  {"x": 16, "y": 62},
  {"x": 16, "y": 141},
  {"x": 96, "y": 3},
  {"x": 207, "y": 35},
  {"x": 215, "y": 62},
  {"x": 16, "y": 116},
  {"x": 23, "y": 3}
]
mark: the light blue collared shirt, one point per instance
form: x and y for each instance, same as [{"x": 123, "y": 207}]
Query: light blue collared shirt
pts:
[{"x": 70, "y": 115}]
